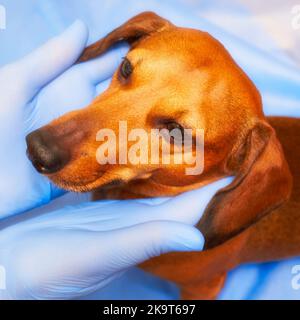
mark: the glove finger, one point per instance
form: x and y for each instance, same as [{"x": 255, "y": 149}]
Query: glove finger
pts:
[
  {"x": 186, "y": 208},
  {"x": 112, "y": 215},
  {"x": 101, "y": 87},
  {"x": 102, "y": 68},
  {"x": 53, "y": 58},
  {"x": 135, "y": 244},
  {"x": 190, "y": 206}
]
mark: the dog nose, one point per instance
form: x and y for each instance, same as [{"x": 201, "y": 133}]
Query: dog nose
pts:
[{"x": 45, "y": 153}]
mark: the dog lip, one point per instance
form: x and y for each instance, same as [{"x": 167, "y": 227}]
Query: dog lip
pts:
[
  {"x": 73, "y": 186},
  {"x": 113, "y": 183}
]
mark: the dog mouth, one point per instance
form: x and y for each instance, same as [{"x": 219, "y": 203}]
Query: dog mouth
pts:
[
  {"x": 76, "y": 186},
  {"x": 103, "y": 181}
]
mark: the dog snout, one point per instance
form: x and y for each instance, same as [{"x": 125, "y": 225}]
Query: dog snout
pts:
[{"x": 45, "y": 153}]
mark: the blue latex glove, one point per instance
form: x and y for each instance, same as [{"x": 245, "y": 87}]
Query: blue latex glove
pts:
[
  {"x": 74, "y": 251},
  {"x": 77, "y": 250},
  {"x": 25, "y": 107}
]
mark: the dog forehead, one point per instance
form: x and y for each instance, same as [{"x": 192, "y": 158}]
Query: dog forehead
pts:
[
  {"x": 192, "y": 47},
  {"x": 179, "y": 38}
]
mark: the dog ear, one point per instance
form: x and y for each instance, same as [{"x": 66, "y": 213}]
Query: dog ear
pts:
[
  {"x": 262, "y": 183},
  {"x": 140, "y": 26}
]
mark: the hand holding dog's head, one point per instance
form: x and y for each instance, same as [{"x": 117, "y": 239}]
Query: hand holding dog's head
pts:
[{"x": 172, "y": 78}]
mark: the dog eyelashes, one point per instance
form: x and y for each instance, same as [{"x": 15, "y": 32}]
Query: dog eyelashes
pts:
[{"x": 126, "y": 69}]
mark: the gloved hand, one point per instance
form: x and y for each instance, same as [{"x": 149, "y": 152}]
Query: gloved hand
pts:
[
  {"x": 25, "y": 107},
  {"x": 77, "y": 250}
]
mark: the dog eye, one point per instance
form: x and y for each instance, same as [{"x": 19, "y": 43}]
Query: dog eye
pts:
[
  {"x": 174, "y": 125},
  {"x": 126, "y": 68},
  {"x": 177, "y": 135}
]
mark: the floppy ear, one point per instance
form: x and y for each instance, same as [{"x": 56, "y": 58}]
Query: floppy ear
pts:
[
  {"x": 263, "y": 182},
  {"x": 131, "y": 31}
]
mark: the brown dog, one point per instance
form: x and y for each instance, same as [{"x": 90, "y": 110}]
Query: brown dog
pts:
[{"x": 182, "y": 78}]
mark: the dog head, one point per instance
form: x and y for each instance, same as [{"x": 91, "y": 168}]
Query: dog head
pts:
[{"x": 172, "y": 78}]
